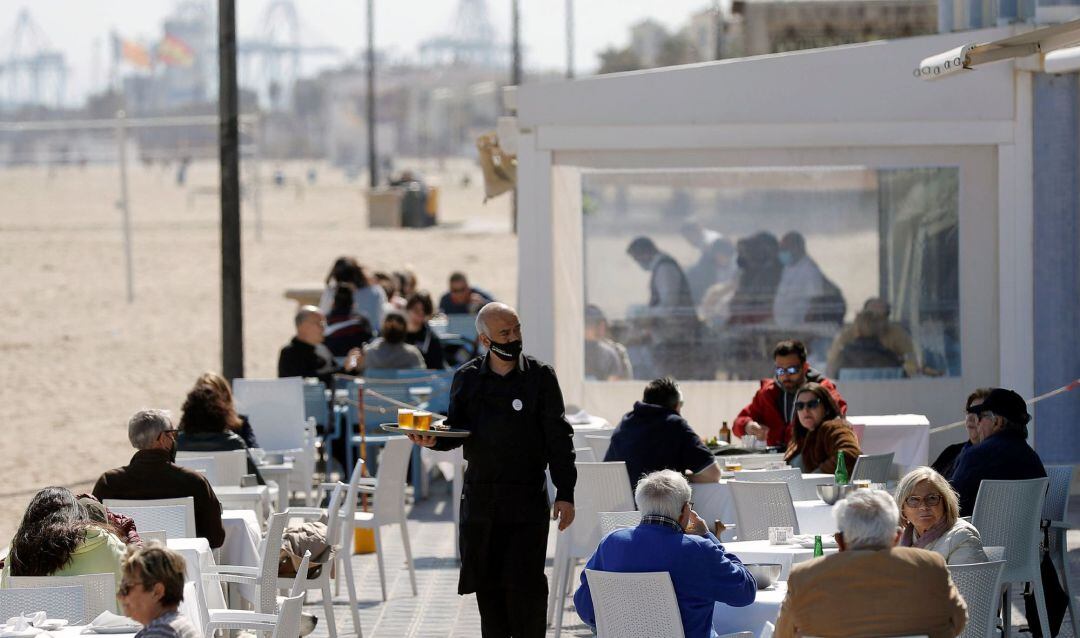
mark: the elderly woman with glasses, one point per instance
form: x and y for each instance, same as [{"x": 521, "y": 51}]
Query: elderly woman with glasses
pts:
[
  {"x": 820, "y": 433},
  {"x": 930, "y": 516},
  {"x": 151, "y": 590}
]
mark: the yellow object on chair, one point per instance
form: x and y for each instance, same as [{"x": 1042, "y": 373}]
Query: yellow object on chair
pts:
[{"x": 363, "y": 541}]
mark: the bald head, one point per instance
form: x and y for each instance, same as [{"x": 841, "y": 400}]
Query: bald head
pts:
[{"x": 491, "y": 318}]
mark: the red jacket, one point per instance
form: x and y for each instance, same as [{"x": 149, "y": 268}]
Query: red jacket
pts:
[{"x": 763, "y": 409}]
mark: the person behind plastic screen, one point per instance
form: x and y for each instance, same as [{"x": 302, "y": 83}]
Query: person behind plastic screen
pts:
[
  {"x": 930, "y": 516},
  {"x": 945, "y": 463},
  {"x": 57, "y": 537},
  {"x": 771, "y": 413},
  {"x": 513, "y": 408},
  {"x": 605, "y": 359},
  {"x": 894, "y": 337},
  {"x": 801, "y": 282},
  {"x": 672, "y": 538},
  {"x": 151, "y": 591},
  {"x": 871, "y": 587},
  {"x": 820, "y": 433},
  {"x": 654, "y": 436}
]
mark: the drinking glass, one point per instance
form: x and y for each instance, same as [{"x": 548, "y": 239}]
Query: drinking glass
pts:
[
  {"x": 422, "y": 420},
  {"x": 405, "y": 417}
]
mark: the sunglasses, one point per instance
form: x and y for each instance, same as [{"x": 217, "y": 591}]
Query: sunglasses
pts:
[
  {"x": 788, "y": 370},
  {"x": 125, "y": 588},
  {"x": 811, "y": 404}
]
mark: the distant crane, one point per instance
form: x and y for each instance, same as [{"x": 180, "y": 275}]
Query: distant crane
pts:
[
  {"x": 471, "y": 43},
  {"x": 33, "y": 73},
  {"x": 272, "y": 61}
]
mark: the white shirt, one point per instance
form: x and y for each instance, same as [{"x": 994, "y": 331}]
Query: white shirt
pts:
[{"x": 800, "y": 283}]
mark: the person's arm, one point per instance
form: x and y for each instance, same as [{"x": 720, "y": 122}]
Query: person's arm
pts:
[
  {"x": 724, "y": 578},
  {"x": 967, "y": 548},
  {"x": 840, "y": 438},
  {"x": 752, "y": 413},
  {"x": 208, "y": 515},
  {"x": 710, "y": 474},
  {"x": 841, "y": 404},
  {"x": 695, "y": 457}
]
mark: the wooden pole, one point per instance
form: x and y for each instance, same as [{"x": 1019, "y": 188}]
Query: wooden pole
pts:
[{"x": 232, "y": 317}]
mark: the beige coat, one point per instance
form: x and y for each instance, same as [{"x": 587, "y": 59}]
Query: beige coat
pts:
[{"x": 864, "y": 593}]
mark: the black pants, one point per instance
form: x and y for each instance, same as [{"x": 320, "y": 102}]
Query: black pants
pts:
[{"x": 506, "y": 613}]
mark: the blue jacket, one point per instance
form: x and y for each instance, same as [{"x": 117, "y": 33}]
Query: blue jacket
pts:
[
  {"x": 1004, "y": 456},
  {"x": 701, "y": 572}
]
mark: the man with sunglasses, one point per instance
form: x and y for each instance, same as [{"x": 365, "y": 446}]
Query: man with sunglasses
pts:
[{"x": 771, "y": 412}]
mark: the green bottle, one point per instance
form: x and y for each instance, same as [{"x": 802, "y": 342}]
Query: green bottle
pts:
[
  {"x": 818, "y": 551},
  {"x": 841, "y": 470}
]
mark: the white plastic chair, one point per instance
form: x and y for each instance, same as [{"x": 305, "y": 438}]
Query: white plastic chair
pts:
[
  {"x": 68, "y": 603},
  {"x": 634, "y": 605},
  {"x": 176, "y": 516},
  {"x": 204, "y": 465},
  {"x": 792, "y": 476},
  {"x": 599, "y": 445},
  {"x": 876, "y": 468},
  {"x": 99, "y": 589},
  {"x": 153, "y": 535},
  {"x": 388, "y": 508},
  {"x": 264, "y": 577},
  {"x": 601, "y": 487},
  {"x": 275, "y": 408},
  {"x": 230, "y": 466},
  {"x": 1056, "y": 510},
  {"x": 611, "y": 521},
  {"x": 979, "y": 585},
  {"x": 224, "y": 619},
  {"x": 1007, "y": 514},
  {"x": 767, "y": 630},
  {"x": 759, "y": 506},
  {"x": 585, "y": 455}
]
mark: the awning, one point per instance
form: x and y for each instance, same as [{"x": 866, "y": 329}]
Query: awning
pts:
[{"x": 1057, "y": 44}]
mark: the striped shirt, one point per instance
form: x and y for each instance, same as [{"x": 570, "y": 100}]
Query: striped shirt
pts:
[{"x": 169, "y": 625}]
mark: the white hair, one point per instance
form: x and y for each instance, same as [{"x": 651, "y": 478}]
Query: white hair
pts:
[
  {"x": 145, "y": 426},
  {"x": 490, "y": 308},
  {"x": 662, "y": 493},
  {"x": 868, "y": 519}
]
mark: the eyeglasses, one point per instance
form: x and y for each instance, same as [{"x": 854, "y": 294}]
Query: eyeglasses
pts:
[
  {"x": 690, "y": 504},
  {"x": 173, "y": 432},
  {"x": 125, "y": 588},
  {"x": 803, "y": 405},
  {"x": 986, "y": 415},
  {"x": 930, "y": 500},
  {"x": 788, "y": 370}
]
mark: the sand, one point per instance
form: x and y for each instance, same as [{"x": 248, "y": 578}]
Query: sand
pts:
[{"x": 78, "y": 359}]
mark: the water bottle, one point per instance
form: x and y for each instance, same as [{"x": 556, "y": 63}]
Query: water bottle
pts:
[{"x": 818, "y": 551}]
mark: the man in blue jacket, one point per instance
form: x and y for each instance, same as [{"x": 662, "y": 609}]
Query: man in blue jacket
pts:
[{"x": 672, "y": 538}]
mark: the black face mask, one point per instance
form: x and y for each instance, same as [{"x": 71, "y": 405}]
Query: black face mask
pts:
[{"x": 508, "y": 351}]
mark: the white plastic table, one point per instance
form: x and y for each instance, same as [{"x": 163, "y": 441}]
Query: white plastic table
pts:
[
  {"x": 595, "y": 425},
  {"x": 279, "y": 473},
  {"x": 763, "y": 552},
  {"x": 765, "y": 608},
  {"x": 75, "y": 631},
  {"x": 815, "y": 517},
  {"x": 255, "y": 498},
  {"x": 907, "y": 436},
  {"x": 241, "y": 546}
]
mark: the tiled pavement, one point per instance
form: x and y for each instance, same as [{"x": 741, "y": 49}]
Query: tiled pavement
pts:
[{"x": 438, "y": 612}]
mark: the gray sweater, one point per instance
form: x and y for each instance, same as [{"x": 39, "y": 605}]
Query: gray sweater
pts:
[{"x": 381, "y": 354}]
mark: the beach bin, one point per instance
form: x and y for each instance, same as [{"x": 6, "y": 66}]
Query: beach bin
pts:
[
  {"x": 363, "y": 541},
  {"x": 414, "y": 206},
  {"x": 384, "y": 208}
]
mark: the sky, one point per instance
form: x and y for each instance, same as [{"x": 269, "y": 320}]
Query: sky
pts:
[{"x": 80, "y": 28}]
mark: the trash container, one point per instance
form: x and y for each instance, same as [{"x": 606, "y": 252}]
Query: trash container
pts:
[{"x": 414, "y": 206}]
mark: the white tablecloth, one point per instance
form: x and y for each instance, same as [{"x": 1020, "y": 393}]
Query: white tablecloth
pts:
[
  {"x": 712, "y": 501},
  {"x": 241, "y": 545},
  {"x": 75, "y": 631},
  {"x": 765, "y": 608},
  {"x": 815, "y": 517},
  {"x": 198, "y": 557},
  {"x": 763, "y": 552},
  {"x": 907, "y": 436},
  {"x": 256, "y": 498},
  {"x": 595, "y": 424}
]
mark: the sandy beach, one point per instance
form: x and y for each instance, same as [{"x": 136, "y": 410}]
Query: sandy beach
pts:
[{"x": 78, "y": 359}]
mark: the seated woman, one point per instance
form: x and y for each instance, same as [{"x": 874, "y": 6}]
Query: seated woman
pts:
[
  {"x": 151, "y": 591},
  {"x": 206, "y": 426},
  {"x": 946, "y": 461},
  {"x": 930, "y": 515},
  {"x": 820, "y": 433},
  {"x": 57, "y": 538},
  {"x": 418, "y": 311},
  {"x": 218, "y": 383}
]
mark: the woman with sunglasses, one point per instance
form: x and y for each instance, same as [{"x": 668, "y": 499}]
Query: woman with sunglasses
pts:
[
  {"x": 819, "y": 433},
  {"x": 930, "y": 516},
  {"x": 151, "y": 591}
]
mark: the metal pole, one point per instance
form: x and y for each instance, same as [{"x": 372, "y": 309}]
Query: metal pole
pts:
[
  {"x": 232, "y": 315},
  {"x": 125, "y": 210},
  {"x": 256, "y": 179},
  {"x": 515, "y": 80},
  {"x": 570, "y": 39},
  {"x": 373, "y": 163},
  {"x": 718, "y": 22}
]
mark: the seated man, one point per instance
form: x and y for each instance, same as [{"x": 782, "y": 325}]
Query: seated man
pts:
[
  {"x": 1001, "y": 451},
  {"x": 151, "y": 474},
  {"x": 871, "y": 587},
  {"x": 389, "y": 351},
  {"x": 654, "y": 436},
  {"x": 867, "y": 350},
  {"x": 893, "y": 337},
  {"x": 771, "y": 413},
  {"x": 463, "y": 299},
  {"x": 307, "y": 356},
  {"x": 672, "y": 538},
  {"x": 605, "y": 359}
]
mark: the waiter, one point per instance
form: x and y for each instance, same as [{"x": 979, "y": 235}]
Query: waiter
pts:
[{"x": 513, "y": 407}]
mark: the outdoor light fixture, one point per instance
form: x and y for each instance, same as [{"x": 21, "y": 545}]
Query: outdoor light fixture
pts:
[
  {"x": 1059, "y": 43},
  {"x": 944, "y": 64}
]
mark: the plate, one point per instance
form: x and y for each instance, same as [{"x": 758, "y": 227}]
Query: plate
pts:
[
  {"x": 52, "y": 624},
  {"x": 827, "y": 542},
  {"x": 446, "y": 434},
  {"x": 126, "y": 629}
]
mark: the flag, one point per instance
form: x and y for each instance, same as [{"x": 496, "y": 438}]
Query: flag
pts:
[
  {"x": 131, "y": 52},
  {"x": 175, "y": 52}
]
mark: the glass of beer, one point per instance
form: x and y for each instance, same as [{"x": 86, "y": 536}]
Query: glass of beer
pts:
[
  {"x": 405, "y": 417},
  {"x": 734, "y": 465},
  {"x": 422, "y": 420}
]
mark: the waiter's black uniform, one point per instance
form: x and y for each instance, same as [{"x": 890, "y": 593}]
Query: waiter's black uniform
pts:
[{"x": 518, "y": 429}]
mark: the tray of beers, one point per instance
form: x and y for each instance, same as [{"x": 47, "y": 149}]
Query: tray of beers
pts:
[{"x": 420, "y": 421}]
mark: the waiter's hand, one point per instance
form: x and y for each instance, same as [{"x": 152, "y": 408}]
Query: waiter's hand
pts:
[
  {"x": 421, "y": 440},
  {"x": 757, "y": 430},
  {"x": 563, "y": 512}
]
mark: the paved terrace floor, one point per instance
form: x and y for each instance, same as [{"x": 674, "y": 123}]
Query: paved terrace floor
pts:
[{"x": 438, "y": 612}]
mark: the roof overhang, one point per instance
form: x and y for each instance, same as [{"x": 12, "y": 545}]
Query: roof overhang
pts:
[{"x": 1056, "y": 44}]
